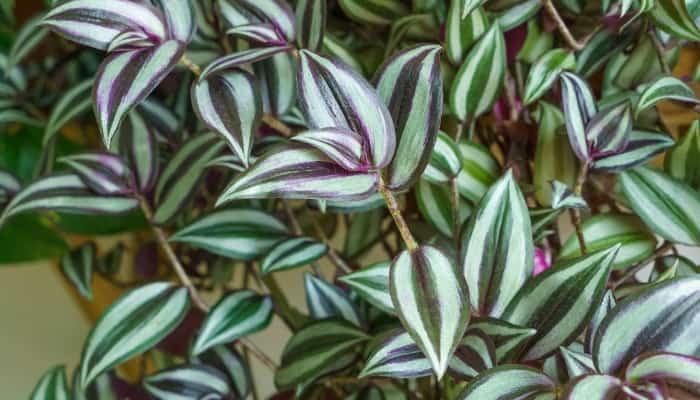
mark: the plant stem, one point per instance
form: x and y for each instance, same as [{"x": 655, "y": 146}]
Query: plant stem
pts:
[
  {"x": 575, "y": 212},
  {"x": 401, "y": 224},
  {"x": 258, "y": 353},
  {"x": 563, "y": 29}
]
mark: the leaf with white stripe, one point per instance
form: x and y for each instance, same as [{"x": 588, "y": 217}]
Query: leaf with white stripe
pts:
[
  {"x": 497, "y": 249},
  {"x": 263, "y": 34},
  {"x": 510, "y": 382},
  {"x": 564, "y": 198},
  {"x": 28, "y": 38},
  {"x": 136, "y": 322},
  {"x": 590, "y": 387},
  {"x": 373, "y": 12},
  {"x": 430, "y": 298},
  {"x": 641, "y": 147},
  {"x": 239, "y": 233},
  {"x": 479, "y": 171},
  {"x": 672, "y": 369},
  {"x": 476, "y": 353},
  {"x": 235, "y": 316},
  {"x": 507, "y": 338},
  {"x": 325, "y": 300},
  {"x": 292, "y": 253},
  {"x": 189, "y": 381},
  {"x": 129, "y": 40},
  {"x": 179, "y": 18},
  {"x": 275, "y": 12},
  {"x": 546, "y": 71},
  {"x": 277, "y": 81},
  {"x": 435, "y": 205},
  {"x": 9, "y": 186},
  {"x": 242, "y": 57},
  {"x": 463, "y": 29},
  {"x": 311, "y": 23},
  {"x": 664, "y": 317},
  {"x": 576, "y": 363},
  {"x": 372, "y": 284},
  {"x": 445, "y": 162},
  {"x": 665, "y": 88},
  {"x": 667, "y": 206},
  {"x": 105, "y": 173},
  {"x": 672, "y": 17},
  {"x": 333, "y": 95},
  {"x": 579, "y": 108},
  {"x": 683, "y": 161},
  {"x": 560, "y": 302},
  {"x": 232, "y": 365},
  {"x": 601, "y": 312},
  {"x": 410, "y": 84},
  {"x": 53, "y": 385},
  {"x": 608, "y": 132},
  {"x": 396, "y": 355},
  {"x": 341, "y": 145},
  {"x": 517, "y": 14},
  {"x": 77, "y": 266},
  {"x": 229, "y": 104},
  {"x": 137, "y": 145},
  {"x": 478, "y": 82},
  {"x": 73, "y": 103}
]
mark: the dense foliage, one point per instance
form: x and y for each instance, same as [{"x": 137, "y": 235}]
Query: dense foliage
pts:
[{"x": 445, "y": 144}]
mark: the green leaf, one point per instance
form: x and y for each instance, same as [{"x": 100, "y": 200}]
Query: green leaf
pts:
[
  {"x": 590, "y": 387},
  {"x": 232, "y": 364},
  {"x": 435, "y": 205},
  {"x": 46, "y": 243},
  {"x": 277, "y": 81},
  {"x": 77, "y": 266},
  {"x": 136, "y": 322},
  {"x": 673, "y": 369},
  {"x": 497, "y": 249},
  {"x": 52, "y": 386},
  {"x": 665, "y": 88},
  {"x": 325, "y": 300},
  {"x": 239, "y": 233},
  {"x": 642, "y": 147},
  {"x": 192, "y": 381},
  {"x": 667, "y": 206},
  {"x": 683, "y": 161},
  {"x": 235, "y": 316},
  {"x": 576, "y": 363},
  {"x": 311, "y": 23},
  {"x": 579, "y": 108},
  {"x": 292, "y": 253},
  {"x": 28, "y": 38},
  {"x": 73, "y": 103},
  {"x": 546, "y": 71},
  {"x": 560, "y": 302},
  {"x": 672, "y": 17},
  {"x": 609, "y": 130},
  {"x": 537, "y": 43},
  {"x": 462, "y": 29},
  {"x": 563, "y": 198},
  {"x": 602, "y": 231},
  {"x": 476, "y": 353},
  {"x": 663, "y": 317},
  {"x": 363, "y": 231},
  {"x": 604, "y": 308},
  {"x": 509, "y": 382},
  {"x": 445, "y": 162},
  {"x": 508, "y": 338},
  {"x": 372, "y": 284},
  {"x": 396, "y": 355},
  {"x": 373, "y": 12},
  {"x": 431, "y": 300},
  {"x": 517, "y": 14},
  {"x": 479, "y": 171}
]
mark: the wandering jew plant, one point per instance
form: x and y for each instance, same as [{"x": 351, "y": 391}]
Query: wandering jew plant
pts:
[{"x": 482, "y": 199}]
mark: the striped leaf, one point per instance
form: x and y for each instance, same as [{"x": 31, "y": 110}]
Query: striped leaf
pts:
[
  {"x": 576, "y": 363},
  {"x": 127, "y": 78},
  {"x": 240, "y": 233},
  {"x": 276, "y": 79},
  {"x": 641, "y": 147},
  {"x": 517, "y": 14},
  {"x": 604, "y": 230},
  {"x": 604, "y": 308},
  {"x": 292, "y": 253},
  {"x": 263, "y": 34},
  {"x": 431, "y": 300},
  {"x": 65, "y": 193},
  {"x": 683, "y": 161},
  {"x": 333, "y": 95},
  {"x": 435, "y": 205},
  {"x": 608, "y": 132},
  {"x": 297, "y": 172},
  {"x": 176, "y": 184},
  {"x": 476, "y": 353},
  {"x": 229, "y": 104},
  {"x": 73, "y": 103},
  {"x": 564, "y": 198},
  {"x": 373, "y": 12},
  {"x": 682, "y": 265},
  {"x": 129, "y": 40},
  {"x": 19, "y": 117},
  {"x": 97, "y": 23},
  {"x": 314, "y": 348},
  {"x": 479, "y": 171},
  {"x": 673, "y": 369},
  {"x": 242, "y": 57},
  {"x": 185, "y": 382},
  {"x": 104, "y": 173},
  {"x": 235, "y": 316},
  {"x": 462, "y": 29},
  {"x": 579, "y": 108},
  {"x": 560, "y": 302},
  {"x": 9, "y": 186},
  {"x": 137, "y": 145},
  {"x": 665, "y": 88},
  {"x": 28, "y": 38},
  {"x": 497, "y": 250},
  {"x": 77, "y": 266},
  {"x": 667, "y": 206},
  {"x": 179, "y": 18},
  {"x": 445, "y": 162},
  {"x": 510, "y": 382},
  {"x": 410, "y": 84},
  {"x": 396, "y": 355},
  {"x": 663, "y": 317},
  {"x": 343, "y": 146},
  {"x": 672, "y": 17},
  {"x": 275, "y": 12},
  {"x": 137, "y": 321},
  {"x": 53, "y": 385},
  {"x": 311, "y": 23},
  {"x": 325, "y": 300},
  {"x": 601, "y": 48},
  {"x": 232, "y": 365},
  {"x": 372, "y": 284},
  {"x": 593, "y": 387},
  {"x": 507, "y": 338},
  {"x": 545, "y": 72},
  {"x": 478, "y": 82}
]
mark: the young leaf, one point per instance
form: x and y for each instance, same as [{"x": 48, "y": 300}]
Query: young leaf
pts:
[
  {"x": 608, "y": 132},
  {"x": 53, "y": 385},
  {"x": 462, "y": 29},
  {"x": 479, "y": 80},
  {"x": 445, "y": 161},
  {"x": 560, "y": 301},
  {"x": 263, "y": 34},
  {"x": 373, "y": 12},
  {"x": 229, "y": 104},
  {"x": 242, "y": 57},
  {"x": 507, "y": 338},
  {"x": 235, "y": 316},
  {"x": 479, "y": 171},
  {"x": 593, "y": 387},
  {"x": 674, "y": 369},
  {"x": 133, "y": 324},
  {"x": 372, "y": 284},
  {"x": 190, "y": 381},
  {"x": 325, "y": 300},
  {"x": 476, "y": 353},
  {"x": 672, "y": 16},
  {"x": 342, "y": 146},
  {"x": 579, "y": 108},
  {"x": 74, "y": 102},
  {"x": 275, "y": 12},
  {"x": 232, "y": 365},
  {"x": 431, "y": 299},
  {"x": 683, "y": 161},
  {"x": 665, "y": 88},
  {"x": 667, "y": 206},
  {"x": 292, "y": 253},
  {"x": 563, "y": 198},
  {"x": 576, "y": 363},
  {"x": 137, "y": 145},
  {"x": 509, "y": 382},
  {"x": 546, "y": 71},
  {"x": 497, "y": 251},
  {"x": 396, "y": 355},
  {"x": 410, "y": 84},
  {"x": 77, "y": 266},
  {"x": 129, "y": 40},
  {"x": 642, "y": 147},
  {"x": 670, "y": 307},
  {"x": 240, "y": 233},
  {"x": 105, "y": 173},
  {"x": 311, "y": 20}
]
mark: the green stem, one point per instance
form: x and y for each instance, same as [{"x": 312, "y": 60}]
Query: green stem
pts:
[
  {"x": 401, "y": 224},
  {"x": 575, "y": 212}
]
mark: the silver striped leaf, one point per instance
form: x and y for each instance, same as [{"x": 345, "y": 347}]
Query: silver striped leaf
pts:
[
  {"x": 97, "y": 23},
  {"x": 176, "y": 184},
  {"x": 395, "y": 354},
  {"x": 604, "y": 230},
  {"x": 510, "y": 382},
  {"x": 672, "y": 17},
  {"x": 26, "y": 40},
  {"x": 372, "y": 202},
  {"x": 292, "y": 253},
  {"x": 138, "y": 146},
  {"x": 372, "y": 284},
  {"x": 641, "y": 147},
  {"x": 663, "y": 317},
  {"x": 604, "y": 308},
  {"x": 341, "y": 145},
  {"x": 77, "y": 266},
  {"x": 326, "y": 300},
  {"x": 373, "y": 12},
  {"x": 311, "y": 23},
  {"x": 9, "y": 186},
  {"x": 518, "y": 14},
  {"x": 179, "y": 18},
  {"x": 232, "y": 365},
  {"x": 683, "y": 266},
  {"x": 560, "y": 302},
  {"x": 127, "y": 78},
  {"x": 241, "y": 58},
  {"x": 410, "y": 84},
  {"x": 316, "y": 347},
  {"x": 445, "y": 161},
  {"x": 608, "y": 132},
  {"x": 478, "y": 82},
  {"x": 65, "y": 193},
  {"x": 299, "y": 172},
  {"x": 476, "y": 353},
  {"x": 576, "y": 363},
  {"x": 579, "y": 108},
  {"x": 235, "y": 316},
  {"x": 276, "y": 79},
  {"x": 667, "y": 206},
  {"x": 53, "y": 385},
  {"x": 336, "y": 48},
  {"x": 243, "y": 234},
  {"x": 463, "y": 29},
  {"x": 129, "y": 40},
  {"x": 665, "y": 88},
  {"x": 275, "y": 12},
  {"x": 589, "y": 387},
  {"x": 333, "y": 95},
  {"x": 263, "y": 34},
  {"x": 563, "y": 198},
  {"x": 435, "y": 205},
  {"x": 479, "y": 171},
  {"x": 73, "y": 103},
  {"x": 432, "y": 302},
  {"x": 507, "y": 338},
  {"x": 673, "y": 369},
  {"x": 105, "y": 173},
  {"x": 229, "y": 104},
  {"x": 137, "y": 321},
  {"x": 160, "y": 117},
  {"x": 186, "y": 382},
  {"x": 601, "y": 48},
  {"x": 545, "y": 72},
  {"x": 497, "y": 250},
  {"x": 683, "y": 161},
  {"x": 363, "y": 232}
]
